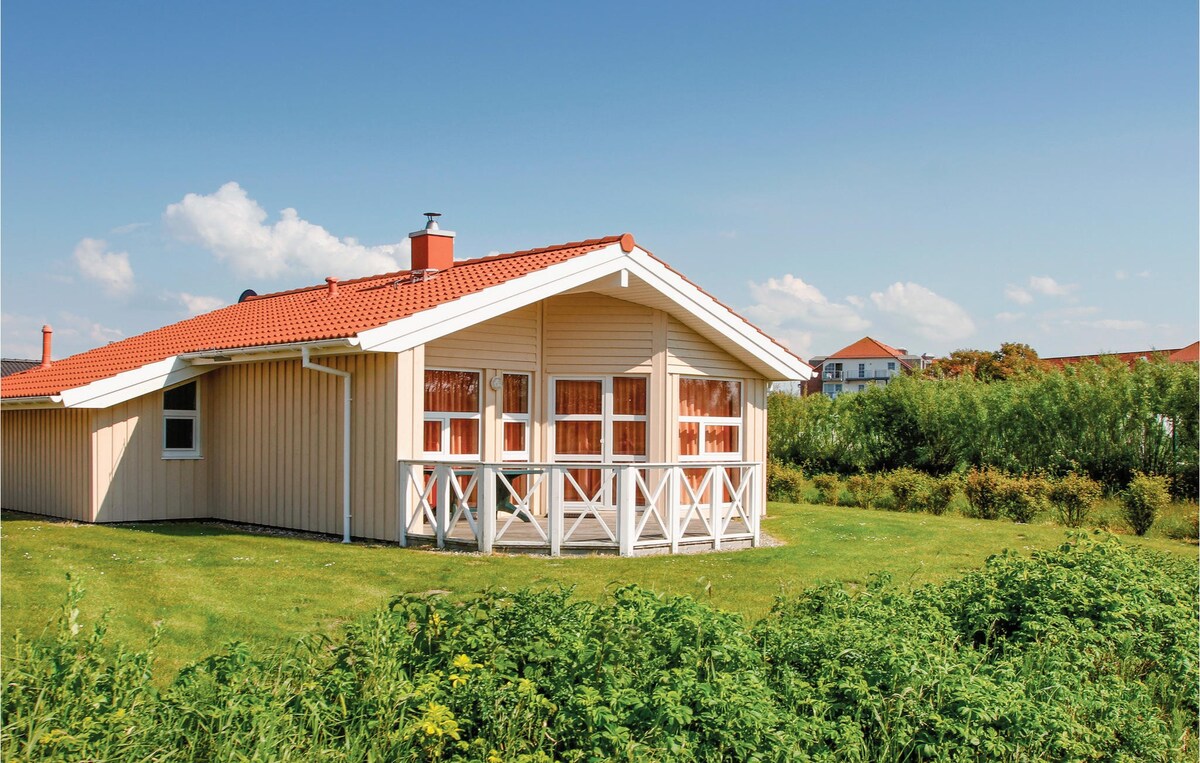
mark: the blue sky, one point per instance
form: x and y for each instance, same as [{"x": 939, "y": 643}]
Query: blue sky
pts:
[{"x": 935, "y": 175}]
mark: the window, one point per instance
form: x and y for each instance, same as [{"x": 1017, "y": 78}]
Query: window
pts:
[
  {"x": 861, "y": 387},
  {"x": 514, "y": 414},
  {"x": 862, "y": 370},
  {"x": 600, "y": 419},
  {"x": 891, "y": 365},
  {"x": 710, "y": 420},
  {"x": 452, "y": 414},
  {"x": 181, "y": 422}
]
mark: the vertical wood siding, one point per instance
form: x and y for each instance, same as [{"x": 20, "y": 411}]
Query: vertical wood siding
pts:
[
  {"x": 131, "y": 482},
  {"x": 277, "y": 435},
  {"x": 47, "y": 462}
]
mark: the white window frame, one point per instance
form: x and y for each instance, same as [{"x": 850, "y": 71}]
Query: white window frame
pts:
[
  {"x": 181, "y": 454},
  {"x": 722, "y": 421},
  {"x": 516, "y": 418},
  {"x": 606, "y": 417},
  {"x": 445, "y": 417}
]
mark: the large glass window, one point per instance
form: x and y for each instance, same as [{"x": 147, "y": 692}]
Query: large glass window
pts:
[
  {"x": 452, "y": 413},
  {"x": 710, "y": 420},
  {"x": 181, "y": 422}
]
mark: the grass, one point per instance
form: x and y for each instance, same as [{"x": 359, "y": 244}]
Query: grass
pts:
[{"x": 208, "y": 584}]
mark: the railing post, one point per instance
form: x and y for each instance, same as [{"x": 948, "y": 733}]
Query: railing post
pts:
[
  {"x": 486, "y": 507},
  {"x": 443, "y": 474},
  {"x": 626, "y": 522},
  {"x": 674, "y": 474},
  {"x": 755, "y": 510},
  {"x": 405, "y": 478},
  {"x": 715, "y": 489},
  {"x": 554, "y": 510}
]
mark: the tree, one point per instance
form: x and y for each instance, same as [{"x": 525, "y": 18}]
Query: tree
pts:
[{"x": 1012, "y": 360}]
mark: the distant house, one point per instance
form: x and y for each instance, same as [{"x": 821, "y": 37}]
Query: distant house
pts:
[
  {"x": 569, "y": 398},
  {"x": 867, "y": 362},
  {"x": 10, "y": 366},
  {"x": 1189, "y": 354}
]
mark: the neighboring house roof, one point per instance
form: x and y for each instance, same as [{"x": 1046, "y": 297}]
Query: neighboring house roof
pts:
[
  {"x": 388, "y": 313},
  {"x": 9, "y": 366},
  {"x": 868, "y": 348},
  {"x": 1189, "y": 354}
]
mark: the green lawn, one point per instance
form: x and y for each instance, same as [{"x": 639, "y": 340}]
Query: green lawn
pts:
[{"x": 210, "y": 584}]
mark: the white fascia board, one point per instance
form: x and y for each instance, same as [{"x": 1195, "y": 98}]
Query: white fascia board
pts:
[
  {"x": 719, "y": 318},
  {"x": 127, "y": 385},
  {"x": 40, "y": 402},
  {"x": 425, "y": 326}
]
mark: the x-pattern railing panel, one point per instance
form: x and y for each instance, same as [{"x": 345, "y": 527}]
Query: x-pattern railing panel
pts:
[
  {"x": 694, "y": 504},
  {"x": 521, "y": 502},
  {"x": 654, "y": 507},
  {"x": 590, "y": 505}
]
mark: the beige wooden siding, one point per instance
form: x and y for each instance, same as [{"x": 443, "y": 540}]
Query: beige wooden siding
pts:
[
  {"x": 131, "y": 482},
  {"x": 509, "y": 341},
  {"x": 277, "y": 445},
  {"x": 594, "y": 334},
  {"x": 690, "y": 353},
  {"x": 47, "y": 457},
  {"x": 755, "y": 435}
]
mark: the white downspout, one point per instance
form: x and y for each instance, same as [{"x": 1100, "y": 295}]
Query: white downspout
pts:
[{"x": 345, "y": 376}]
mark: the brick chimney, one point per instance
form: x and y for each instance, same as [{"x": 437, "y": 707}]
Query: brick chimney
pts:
[
  {"x": 47, "y": 335},
  {"x": 432, "y": 248}
]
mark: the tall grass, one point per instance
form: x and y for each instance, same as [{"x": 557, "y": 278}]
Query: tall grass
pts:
[{"x": 1086, "y": 652}]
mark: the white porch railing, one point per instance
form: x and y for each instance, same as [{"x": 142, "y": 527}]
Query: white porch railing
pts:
[{"x": 573, "y": 507}]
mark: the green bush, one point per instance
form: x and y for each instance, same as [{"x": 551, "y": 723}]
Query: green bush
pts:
[
  {"x": 941, "y": 493},
  {"x": 1074, "y": 497},
  {"x": 983, "y": 490},
  {"x": 865, "y": 490},
  {"x": 830, "y": 488},
  {"x": 909, "y": 487},
  {"x": 1021, "y": 498},
  {"x": 785, "y": 483},
  {"x": 1144, "y": 499},
  {"x": 1085, "y": 652}
]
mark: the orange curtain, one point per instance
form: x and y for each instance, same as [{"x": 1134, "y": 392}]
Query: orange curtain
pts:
[
  {"x": 710, "y": 397},
  {"x": 514, "y": 436},
  {"x": 516, "y": 393},
  {"x": 578, "y": 396},
  {"x": 629, "y": 396},
  {"x": 452, "y": 391}
]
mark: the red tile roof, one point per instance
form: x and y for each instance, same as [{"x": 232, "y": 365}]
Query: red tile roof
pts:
[
  {"x": 1189, "y": 354},
  {"x": 868, "y": 348},
  {"x": 300, "y": 315}
]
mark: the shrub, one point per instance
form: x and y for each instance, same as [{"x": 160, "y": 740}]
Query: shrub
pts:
[
  {"x": 865, "y": 490},
  {"x": 1143, "y": 500},
  {"x": 830, "y": 488},
  {"x": 983, "y": 492},
  {"x": 908, "y": 488},
  {"x": 941, "y": 493},
  {"x": 1073, "y": 497},
  {"x": 1021, "y": 498},
  {"x": 785, "y": 483}
]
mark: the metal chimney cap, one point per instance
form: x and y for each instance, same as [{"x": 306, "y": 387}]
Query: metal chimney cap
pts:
[{"x": 433, "y": 216}]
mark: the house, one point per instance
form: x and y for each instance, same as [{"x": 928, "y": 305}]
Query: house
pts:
[
  {"x": 1189, "y": 354},
  {"x": 569, "y": 398},
  {"x": 10, "y": 366},
  {"x": 867, "y": 362}
]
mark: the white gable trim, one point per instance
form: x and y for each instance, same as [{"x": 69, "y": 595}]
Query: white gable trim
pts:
[
  {"x": 404, "y": 334},
  {"x": 130, "y": 384}
]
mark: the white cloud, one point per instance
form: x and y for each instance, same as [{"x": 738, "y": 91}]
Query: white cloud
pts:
[
  {"x": 110, "y": 269},
  {"x": 1113, "y": 324},
  {"x": 1121, "y": 275},
  {"x": 232, "y": 226},
  {"x": 1143, "y": 274},
  {"x": 22, "y": 335},
  {"x": 196, "y": 304},
  {"x": 1068, "y": 313},
  {"x": 1049, "y": 287},
  {"x": 1017, "y": 294},
  {"x": 788, "y": 300},
  {"x": 930, "y": 315},
  {"x": 1007, "y": 317},
  {"x": 121, "y": 230},
  {"x": 72, "y": 325},
  {"x": 857, "y": 301}
]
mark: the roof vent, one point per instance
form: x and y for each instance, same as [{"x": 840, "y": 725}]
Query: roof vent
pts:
[
  {"x": 333, "y": 282},
  {"x": 247, "y": 294},
  {"x": 47, "y": 336}
]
